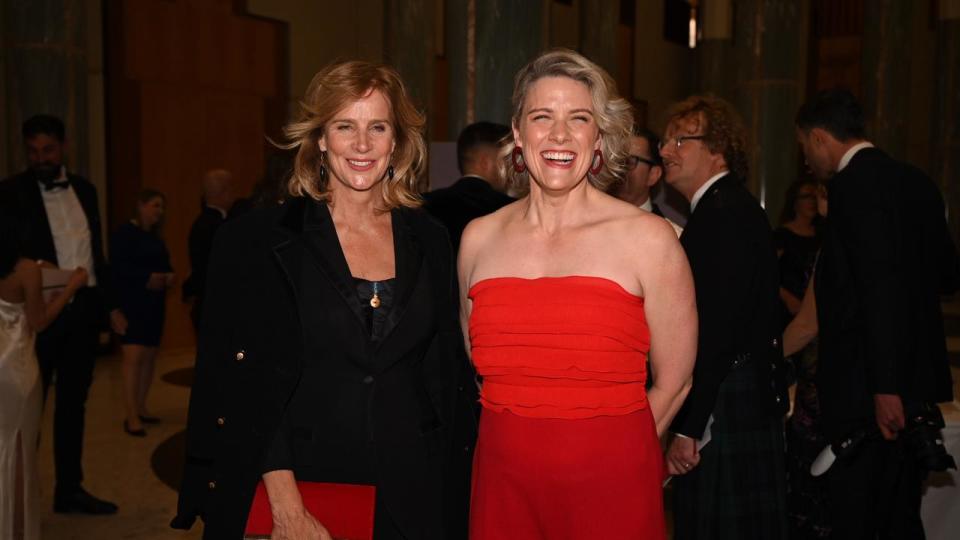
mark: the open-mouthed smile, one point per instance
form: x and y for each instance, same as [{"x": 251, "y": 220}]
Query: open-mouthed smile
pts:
[
  {"x": 361, "y": 164},
  {"x": 560, "y": 159}
]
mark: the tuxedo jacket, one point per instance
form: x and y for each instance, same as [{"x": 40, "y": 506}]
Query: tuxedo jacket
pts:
[
  {"x": 21, "y": 197},
  {"x": 886, "y": 258},
  {"x": 467, "y": 199},
  {"x": 280, "y": 301},
  {"x": 729, "y": 244}
]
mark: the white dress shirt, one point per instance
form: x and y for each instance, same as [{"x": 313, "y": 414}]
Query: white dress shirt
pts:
[
  {"x": 69, "y": 227},
  {"x": 703, "y": 189},
  {"x": 845, "y": 160}
]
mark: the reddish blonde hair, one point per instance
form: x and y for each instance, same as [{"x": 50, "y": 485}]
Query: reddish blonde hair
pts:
[{"x": 333, "y": 88}]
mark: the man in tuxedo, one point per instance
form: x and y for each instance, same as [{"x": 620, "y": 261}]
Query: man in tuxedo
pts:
[
  {"x": 886, "y": 258},
  {"x": 219, "y": 199},
  {"x": 58, "y": 216},
  {"x": 482, "y": 188},
  {"x": 644, "y": 171},
  {"x": 727, "y": 452}
]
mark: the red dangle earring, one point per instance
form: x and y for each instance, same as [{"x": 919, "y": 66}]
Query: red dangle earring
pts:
[
  {"x": 597, "y": 165},
  {"x": 516, "y": 158}
]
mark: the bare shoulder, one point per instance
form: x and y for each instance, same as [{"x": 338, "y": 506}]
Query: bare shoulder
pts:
[{"x": 482, "y": 230}]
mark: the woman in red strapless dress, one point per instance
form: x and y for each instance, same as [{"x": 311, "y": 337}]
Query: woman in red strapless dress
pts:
[{"x": 565, "y": 294}]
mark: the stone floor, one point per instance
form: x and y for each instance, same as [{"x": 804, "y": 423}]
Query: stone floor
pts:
[{"x": 116, "y": 465}]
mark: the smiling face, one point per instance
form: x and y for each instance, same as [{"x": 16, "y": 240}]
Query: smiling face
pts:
[
  {"x": 689, "y": 165},
  {"x": 557, "y": 132},
  {"x": 358, "y": 142}
]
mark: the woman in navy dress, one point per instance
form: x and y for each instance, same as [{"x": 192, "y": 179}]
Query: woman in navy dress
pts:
[{"x": 142, "y": 275}]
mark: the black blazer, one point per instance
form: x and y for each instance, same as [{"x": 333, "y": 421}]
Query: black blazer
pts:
[
  {"x": 886, "y": 259},
  {"x": 21, "y": 198},
  {"x": 260, "y": 318},
  {"x": 729, "y": 244},
  {"x": 467, "y": 199}
]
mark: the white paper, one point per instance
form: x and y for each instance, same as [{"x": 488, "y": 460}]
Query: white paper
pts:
[
  {"x": 701, "y": 442},
  {"x": 54, "y": 281}
]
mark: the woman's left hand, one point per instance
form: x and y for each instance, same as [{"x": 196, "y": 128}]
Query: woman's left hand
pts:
[{"x": 682, "y": 456}]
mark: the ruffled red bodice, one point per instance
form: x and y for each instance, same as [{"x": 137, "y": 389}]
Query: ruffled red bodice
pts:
[{"x": 559, "y": 347}]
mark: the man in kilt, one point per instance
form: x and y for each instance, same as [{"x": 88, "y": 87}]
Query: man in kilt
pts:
[{"x": 727, "y": 454}]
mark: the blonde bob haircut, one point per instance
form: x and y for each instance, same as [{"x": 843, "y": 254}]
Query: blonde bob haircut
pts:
[
  {"x": 611, "y": 112},
  {"x": 335, "y": 87}
]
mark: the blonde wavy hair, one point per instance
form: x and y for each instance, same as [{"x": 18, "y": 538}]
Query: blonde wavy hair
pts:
[
  {"x": 335, "y": 87},
  {"x": 613, "y": 114}
]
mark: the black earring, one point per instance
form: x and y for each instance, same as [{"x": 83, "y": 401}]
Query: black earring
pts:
[
  {"x": 390, "y": 172},
  {"x": 323, "y": 168}
]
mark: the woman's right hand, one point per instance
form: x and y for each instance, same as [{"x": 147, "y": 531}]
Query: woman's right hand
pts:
[
  {"x": 300, "y": 525},
  {"x": 77, "y": 279}
]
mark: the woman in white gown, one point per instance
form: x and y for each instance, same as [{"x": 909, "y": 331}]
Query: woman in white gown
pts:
[{"x": 23, "y": 313}]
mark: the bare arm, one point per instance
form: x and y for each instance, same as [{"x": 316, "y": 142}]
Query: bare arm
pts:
[
  {"x": 40, "y": 313},
  {"x": 803, "y": 328},
  {"x": 465, "y": 265},
  {"x": 670, "y": 306}
]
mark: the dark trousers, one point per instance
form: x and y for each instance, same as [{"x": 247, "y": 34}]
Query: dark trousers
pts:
[
  {"x": 67, "y": 348},
  {"x": 876, "y": 494}
]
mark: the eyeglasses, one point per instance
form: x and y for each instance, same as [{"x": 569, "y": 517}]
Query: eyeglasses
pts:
[
  {"x": 679, "y": 140},
  {"x": 633, "y": 161}
]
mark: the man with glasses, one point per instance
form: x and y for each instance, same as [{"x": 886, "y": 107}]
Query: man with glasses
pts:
[
  {"x": 644, "y": 170},
  {"x": 727, "y": 454}
]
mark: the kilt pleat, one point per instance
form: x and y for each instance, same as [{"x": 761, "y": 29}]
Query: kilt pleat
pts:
[{"x": 738, "y": 491}]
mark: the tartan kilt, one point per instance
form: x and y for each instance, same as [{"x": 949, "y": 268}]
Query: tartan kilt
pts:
[{"x": 739, "y": 489}]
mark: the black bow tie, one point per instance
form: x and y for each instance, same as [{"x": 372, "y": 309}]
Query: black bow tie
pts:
[{"x": 51, "y": 185}]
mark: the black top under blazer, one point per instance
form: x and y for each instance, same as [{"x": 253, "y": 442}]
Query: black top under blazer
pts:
[
  {"x": 729, "y": 244},
  {"x": 887, "y": 256},
  {"x": 281, "y": 311}
]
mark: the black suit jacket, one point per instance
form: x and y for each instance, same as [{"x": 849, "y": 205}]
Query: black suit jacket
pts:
[
  {"x": 467, "y": 199},
  {"x": 886, "y": 259},
  {"x": 279, "y": 287},
  {"x": 20, "y": 197},
  {"x": 199, "y": 244},
  {"x": 729, "y": 244}
]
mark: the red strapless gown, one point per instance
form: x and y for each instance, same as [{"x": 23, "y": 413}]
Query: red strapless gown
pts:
[{"x": 567, "y": 447}]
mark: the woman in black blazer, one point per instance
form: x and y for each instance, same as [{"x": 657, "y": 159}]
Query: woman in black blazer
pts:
[{"x": 329, "y": 348}]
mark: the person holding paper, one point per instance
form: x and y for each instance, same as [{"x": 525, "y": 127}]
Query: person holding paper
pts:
[
  {"x": 735, "y": 485},
  {"x": 23, "y": 313},
  {"x": 328, "y": 342},
  {"x": 58, "y": 220},
  {"x": 142, "y": 275}
]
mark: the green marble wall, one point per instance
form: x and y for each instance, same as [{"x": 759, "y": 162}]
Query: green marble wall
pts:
[{"x": 44, "y": 71}]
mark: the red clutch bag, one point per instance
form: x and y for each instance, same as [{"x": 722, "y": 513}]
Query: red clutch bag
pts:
[{"x": 346, "y": 510}]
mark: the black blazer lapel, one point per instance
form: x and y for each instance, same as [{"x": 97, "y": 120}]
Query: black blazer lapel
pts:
[
  {"x": 321, "y": 242},
  {"x": 409, "y": 258}
]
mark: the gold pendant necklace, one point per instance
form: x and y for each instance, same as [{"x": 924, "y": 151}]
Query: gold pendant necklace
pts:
[{"x": 375, "y": 299}]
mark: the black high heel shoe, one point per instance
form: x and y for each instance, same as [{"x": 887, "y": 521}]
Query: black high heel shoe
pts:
[
  {"x": 149, "y": 419},
  {"x": 134, "y": 432}
]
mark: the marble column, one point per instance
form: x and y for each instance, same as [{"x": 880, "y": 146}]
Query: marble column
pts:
[
  {"x": 715, "y": 50},
  {"x": 44, "y": 71},
  {"x": 487, "y": 42},
  {"x": 409, "y": 46},
  {"x": 598, "y": 34},
  {"x": 886, "y": 68},
  {"x": 946, "y": 125},
  {"x": 770, "y": 42}
]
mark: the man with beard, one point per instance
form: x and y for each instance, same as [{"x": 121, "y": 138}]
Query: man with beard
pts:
[{"x": 59, "y": 221}]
